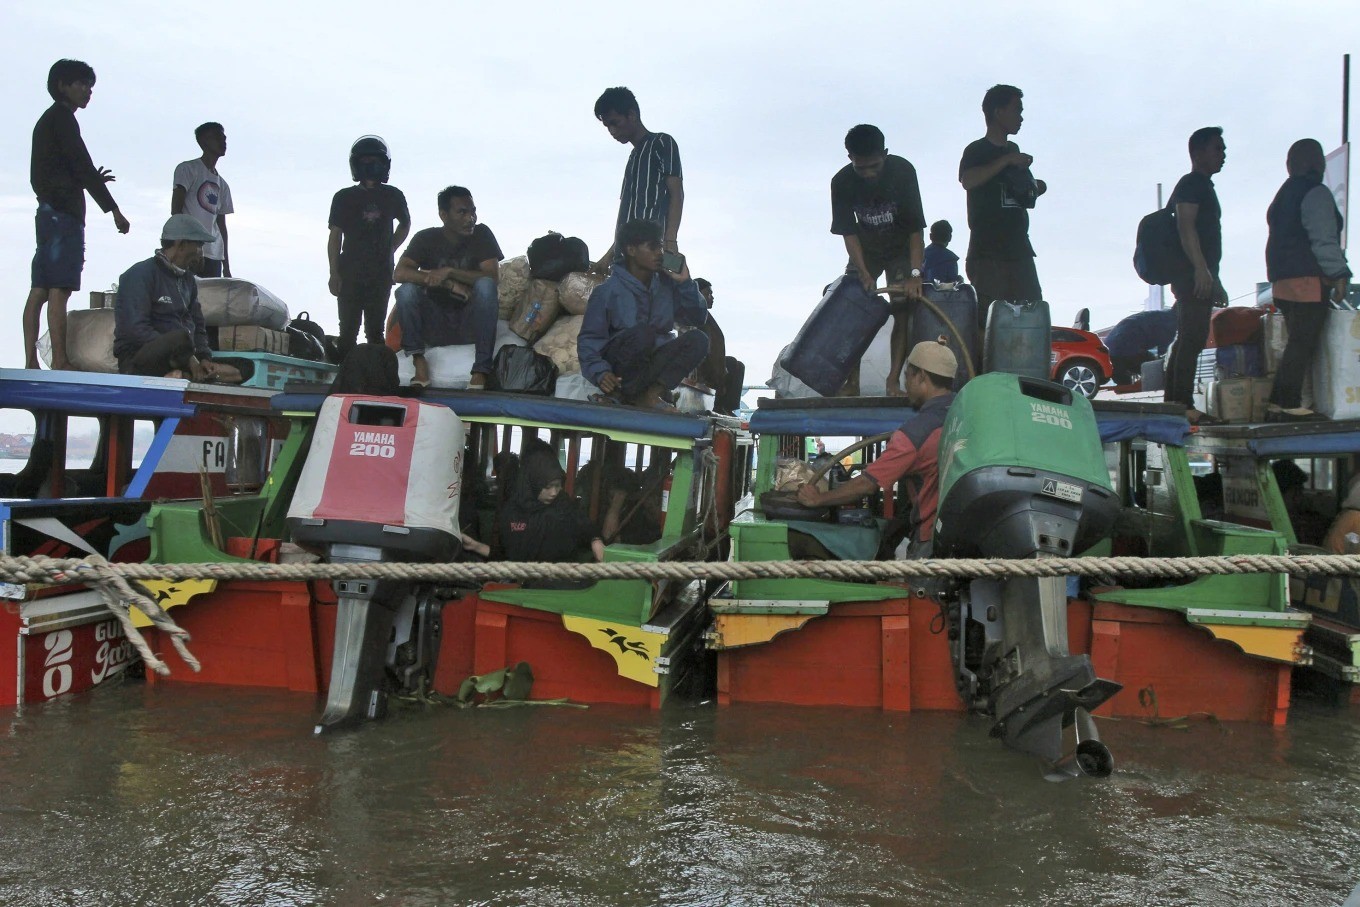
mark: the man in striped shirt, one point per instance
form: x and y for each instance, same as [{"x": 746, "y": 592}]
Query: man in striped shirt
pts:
[{"x": 652, "y": 188}]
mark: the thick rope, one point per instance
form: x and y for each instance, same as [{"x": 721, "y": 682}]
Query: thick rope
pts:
[{"x": 39, "y": 569}]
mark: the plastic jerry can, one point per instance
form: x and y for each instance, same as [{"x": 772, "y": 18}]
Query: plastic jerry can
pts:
[
  {"x": 1018, "y": 339},
  {"x": 958, "y": 304},
  {"x": 835, "y": 336}
]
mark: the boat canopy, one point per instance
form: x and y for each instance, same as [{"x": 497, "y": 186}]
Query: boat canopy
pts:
[
  {"x": 101, "y": 394},
  {"x": 1293, "y": 440},
  {"x": 490, "y": 406},
  {"x": 859, "y": 417}
]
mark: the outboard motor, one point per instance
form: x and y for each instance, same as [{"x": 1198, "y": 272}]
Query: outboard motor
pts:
[
  {"x": 1023, "y": 475},
  {"x": 381, "y": 484}
]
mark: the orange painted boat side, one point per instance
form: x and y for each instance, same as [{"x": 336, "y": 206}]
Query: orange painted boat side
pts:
[{"x": 871, "y": 654}]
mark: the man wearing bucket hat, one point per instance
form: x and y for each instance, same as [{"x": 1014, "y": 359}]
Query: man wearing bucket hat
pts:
[
  {"x": 158, "y": 325},
  {"x": 912, "y": 452}
]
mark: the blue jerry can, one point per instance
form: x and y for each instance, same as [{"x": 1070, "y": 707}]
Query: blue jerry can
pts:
[{"x": 835, "y": 336}]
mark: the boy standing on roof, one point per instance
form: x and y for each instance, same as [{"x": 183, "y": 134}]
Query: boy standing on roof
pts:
[
  {"x": 652, "y": 188},
  {"x": 203, "y": 192},
  {"x": 876, "y": 209},
  {"x": 61, "y": 173},
  {"x": 362, "y": 242}
]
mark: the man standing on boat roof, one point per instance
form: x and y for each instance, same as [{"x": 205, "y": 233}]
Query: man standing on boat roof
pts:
[
  {"x": 1199, "y": 291},
  {"x": 652, "y": 186},
  {"x": 876, "y": 210},
  {"x": 912, "y": 453},
  {"x": 362, "y": 242},
  {"x": 447, "y": 292},
  {"x": 158, "y": 325},
  {"x": 627, "y": 345},
  {"x": 202, "y": 192},
  {"x": 1001, "y": 190},
  {"x": 61, "y": 172}
]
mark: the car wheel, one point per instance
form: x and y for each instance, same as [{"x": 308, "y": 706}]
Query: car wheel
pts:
[{"x": 1082, "y": 377}]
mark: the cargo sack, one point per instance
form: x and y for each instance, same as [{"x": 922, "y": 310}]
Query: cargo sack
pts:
[
  {"x": 512, "y": 286},
  {"x": 559, "y": 344},
  {"x": 575, "y": 289},
  {"x": 230, "y": 301},
  {"x": 1241, "y": 360},
  {"x": 554, "y": 256},
  {"x": 1157, "y": 254},
  {"x": 89, "y": 341},
  {"x": 1236, "y": 324},
  {"x": 538, "y": 310},
  {"x": 518, "y": 369}
]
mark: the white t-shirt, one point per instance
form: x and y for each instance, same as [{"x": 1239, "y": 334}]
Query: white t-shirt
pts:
[{"x": 206, "y": 195}]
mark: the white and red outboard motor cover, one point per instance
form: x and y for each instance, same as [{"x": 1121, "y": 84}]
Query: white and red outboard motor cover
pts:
[{"x": 384, "y": 472}]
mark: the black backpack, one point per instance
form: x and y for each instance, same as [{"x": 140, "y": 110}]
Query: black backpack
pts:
[
  {"x": 554, "y": 256},
  {"x": 1157, "y": 255},
  {"x": 306, "y": 339}
]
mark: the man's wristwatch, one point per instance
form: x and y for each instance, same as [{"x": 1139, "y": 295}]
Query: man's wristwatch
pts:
[{"x": 915, "y": 272}]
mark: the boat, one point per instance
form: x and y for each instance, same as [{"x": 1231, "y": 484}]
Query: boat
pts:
[
  {"x": 617, "y": 641},
  {"x": 208, "y": 442},
  {"x": 1248, "y": 491},
  {"x": 1220, "y": 645}
]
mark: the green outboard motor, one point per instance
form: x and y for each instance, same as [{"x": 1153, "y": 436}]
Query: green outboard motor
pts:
[{"x": 1023, "y": 475}]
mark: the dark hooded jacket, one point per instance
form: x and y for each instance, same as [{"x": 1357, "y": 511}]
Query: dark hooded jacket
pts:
[{"x": 534, "y": 531}]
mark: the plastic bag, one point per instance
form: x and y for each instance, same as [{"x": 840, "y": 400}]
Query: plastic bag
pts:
[
  {"x": 559, "y": 344},
  {"x": 520, "y": 370},
  {"x": 229, "y": 301},
  {"x": 513, "y": 286},
  {"x": 538, "y": 310},
  {"x": 575, "y": 289}
]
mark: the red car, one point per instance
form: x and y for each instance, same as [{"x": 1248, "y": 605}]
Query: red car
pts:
[{"x": 1080, "y": 361}]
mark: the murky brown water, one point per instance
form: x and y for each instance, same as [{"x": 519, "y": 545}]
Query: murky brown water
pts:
[{"x": 182, "y": 795}]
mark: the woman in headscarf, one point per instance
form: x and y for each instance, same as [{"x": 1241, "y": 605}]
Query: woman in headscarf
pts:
[{"x": 538, "y": 521}]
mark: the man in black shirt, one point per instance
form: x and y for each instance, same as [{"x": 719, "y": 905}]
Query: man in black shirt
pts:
[
  {"x": 876, "y": 209},
  {"x": 362, "y": 242},
  {"x": 61, "y": 173},
  {"x": 448, "y": 287},
  {"x": 1001, "y": 190},
  {"x": 1198, "y": 222}
]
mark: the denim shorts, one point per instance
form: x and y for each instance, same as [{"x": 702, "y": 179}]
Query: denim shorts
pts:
[{"x": 61, "y": 250}]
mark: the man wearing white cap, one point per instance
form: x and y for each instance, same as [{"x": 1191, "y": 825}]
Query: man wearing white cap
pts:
[
  {"x": 158, "y": 325},
  {"x": 912, "y": 452}
]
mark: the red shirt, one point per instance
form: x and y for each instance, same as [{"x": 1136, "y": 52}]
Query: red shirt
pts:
[{"x": 912, "y": 454}]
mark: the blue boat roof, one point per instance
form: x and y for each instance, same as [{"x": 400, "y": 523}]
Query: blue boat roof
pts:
[
  {"x": 864, "y": 416},
  {"x": 93, "y": 393},
  {"x": 1295, "y": 439},
  {"x": 528, "y": 408}
]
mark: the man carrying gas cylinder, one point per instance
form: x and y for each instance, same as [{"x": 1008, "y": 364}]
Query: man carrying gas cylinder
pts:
[{"x": 912, "y": 452}]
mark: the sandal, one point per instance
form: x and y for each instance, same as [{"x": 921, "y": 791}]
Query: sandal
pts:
[
  {"x": 416, "y": 382},
  {"x": 606, "y": 399},
  {"x": 1202, "y": 418}
]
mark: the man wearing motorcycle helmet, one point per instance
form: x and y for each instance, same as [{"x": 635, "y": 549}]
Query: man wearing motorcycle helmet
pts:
[{"x": 363, "y": 242}]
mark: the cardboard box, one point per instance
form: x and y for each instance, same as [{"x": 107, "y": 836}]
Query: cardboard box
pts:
[
  {"x": 1239, "y": 399},
  {"x": 252, "y": 338},
  {"x": 1336, "y": 367}
]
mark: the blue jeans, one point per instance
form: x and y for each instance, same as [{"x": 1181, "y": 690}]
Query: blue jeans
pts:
[
  {"x": 61, "y": 250},
  {"x": 426, "y": 321}
]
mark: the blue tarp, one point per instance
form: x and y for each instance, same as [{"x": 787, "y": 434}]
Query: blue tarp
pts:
[
  {"x": 1159, "y": 429},
  {"x": 541, "y": 410},
  {"x": 94, "y": 394}
]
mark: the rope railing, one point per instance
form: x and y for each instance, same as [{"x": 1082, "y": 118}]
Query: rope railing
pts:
[
  {"x": 42, "y": 569},
  {"x": 118, "y": 586}
]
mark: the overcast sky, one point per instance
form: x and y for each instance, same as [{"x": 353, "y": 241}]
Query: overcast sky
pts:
[{"x": 498, "y": 98}]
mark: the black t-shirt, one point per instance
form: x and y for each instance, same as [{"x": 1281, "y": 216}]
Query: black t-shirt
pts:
[
  {"x": 998, "y": 224},
  {"x": 431, "y": 249},
  {"x": 1198, "y": 189},
  {"x": 882, "y": 212},
  {"x": 365, "y": 218},
  {"x": 559, "y": 532}
]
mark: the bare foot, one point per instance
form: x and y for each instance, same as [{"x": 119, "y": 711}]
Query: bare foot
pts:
[
  {"x": 895, "y": 390},
  {"x": 174, "y": 373},
  {"x": 477, "y": 381},
  {"x": 422, "y": 375},
  {"x": 62, "y": 366}
]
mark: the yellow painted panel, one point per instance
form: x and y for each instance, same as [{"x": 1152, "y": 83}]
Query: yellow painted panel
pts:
[
  {"x": 171, "y": 594},
  {"x": 1276, "y": 643},
  {"x": 732, "y": 631},
  {"x": 633, "y": 649}
]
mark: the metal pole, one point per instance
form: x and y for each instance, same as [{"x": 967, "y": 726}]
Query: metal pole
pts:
[{"x": 1345, "y": 98}]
